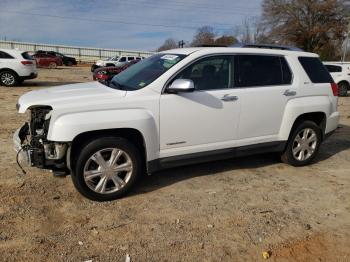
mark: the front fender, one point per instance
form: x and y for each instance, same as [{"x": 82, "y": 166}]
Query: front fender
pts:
[{"x": 65, "y": 127}]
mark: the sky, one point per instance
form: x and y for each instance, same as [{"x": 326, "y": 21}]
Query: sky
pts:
[{"x": 121, "y": 24}]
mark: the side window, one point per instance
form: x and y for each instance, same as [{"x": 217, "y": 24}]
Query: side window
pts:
[
  {"x": 261, "y": 70},
  {"x": 209, "y": 73},
  {"x": 316, "y": 71},
  {"x": 130, "y": 58},
  {"x": 4, "y": 55},
  {"x": 333, "y": 68},
  {"x": 122, "y": 59}
]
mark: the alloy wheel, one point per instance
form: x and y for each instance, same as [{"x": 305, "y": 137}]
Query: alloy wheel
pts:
[
  {"x": 304, "y": 144},
  {"x": 108, "y": 170},
  {"x": 8, "y": 79}
]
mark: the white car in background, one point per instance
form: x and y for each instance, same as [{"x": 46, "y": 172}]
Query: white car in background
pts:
[
  {"x": 341, "y": 74},
  {"x": 15, "y": 67},
  {"x": 114, "y": 61}
]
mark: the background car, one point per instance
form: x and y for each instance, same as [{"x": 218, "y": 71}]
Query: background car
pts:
[
  {"x": 66, "y": 60},
  {"x": 107, "y": 73},
  {"x": 341, "y": 75},
  {"x": 114, "y": 61},
  {"x": 47, "y": 60},
  {"x": 15, "y": 67}
]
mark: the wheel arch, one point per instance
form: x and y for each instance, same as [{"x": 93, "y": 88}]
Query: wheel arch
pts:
[
  {"x": 8, "y": 69},
  {"x": 131, "y": 134},
  {"x": 319, "y": 118},
  {"x": 344, "y": 81}
]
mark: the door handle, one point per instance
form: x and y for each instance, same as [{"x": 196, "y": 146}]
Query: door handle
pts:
[
  {"x": 289, "y": 93},
  {"x": 229, "y": 98}
]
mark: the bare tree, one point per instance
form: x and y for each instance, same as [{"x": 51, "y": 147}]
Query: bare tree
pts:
[
  {"x": 226, "y": 40},
  {"x": 169, "y": 43},
  {"x": 204, "y": 36},
  {"x": 313, "y": 25}
]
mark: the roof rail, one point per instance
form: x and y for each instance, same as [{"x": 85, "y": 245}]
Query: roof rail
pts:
[
  {"x": 268, "y": 46},
  {"x": 211, "y": 45}
]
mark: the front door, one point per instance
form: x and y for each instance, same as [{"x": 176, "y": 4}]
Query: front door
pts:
[{"x": 206, "y": 119}]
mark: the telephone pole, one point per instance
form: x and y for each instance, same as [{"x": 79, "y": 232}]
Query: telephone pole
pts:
[
  {"x": 346, "y": 41},
  {"x": 181, "y": 43}
]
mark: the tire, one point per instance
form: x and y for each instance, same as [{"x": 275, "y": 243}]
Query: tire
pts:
[
  {"x": 93, "y": 161},
  {"x": 69, "y": 63},
  {"x": 343, "y": 88},
  {"x": 94, "y": 67},
  {"x": 309, "y": 145},
  {"x": 9, "y": 78},
  {"x": 52, "y": 65}
]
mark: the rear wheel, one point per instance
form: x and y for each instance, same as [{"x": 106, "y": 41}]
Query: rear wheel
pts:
[
  {"x": 52, "y": 65},
  {"x": 9, "y": 78},
  {"x": 303, "y": 145},
  {"x": 107, "y": 168},
  {"x": 343, "y": 88}
]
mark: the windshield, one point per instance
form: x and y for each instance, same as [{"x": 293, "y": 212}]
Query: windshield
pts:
[{"x": 144, "y": 72}]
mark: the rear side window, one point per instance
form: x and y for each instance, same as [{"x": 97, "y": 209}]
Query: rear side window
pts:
[
  {"x": 4, "y": 55},
  {"x": 27, "y": 56},
  {"x": 333, "y": 68},
  {"x": 122, "y": 59},
  {"x": 316, "y": 71},
  {"x": 261, "y": 70},
  {"x": 130, "y": 58}
]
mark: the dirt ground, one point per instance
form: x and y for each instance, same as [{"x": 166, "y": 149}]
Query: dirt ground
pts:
[{"x": 230, "y": 210}]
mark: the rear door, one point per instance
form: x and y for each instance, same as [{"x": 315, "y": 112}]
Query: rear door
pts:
[{"x": 265, "y": 85}]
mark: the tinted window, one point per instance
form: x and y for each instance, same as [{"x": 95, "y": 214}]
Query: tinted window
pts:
[
  {"x": 4, "y": 55},
  {"x": 209, "y": 73},
  {"x": 316, "y": 71},
  {"x": 27, "y": 56},
  {"x": 333, "y": 68},
  {"x": 130, "y": 58},
  {"x": 260, "y": 70},
  {"x": 122, "y": 59}
]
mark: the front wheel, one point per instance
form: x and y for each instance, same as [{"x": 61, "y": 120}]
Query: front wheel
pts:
[
  {"x": 303, "y": 145},
  {"x": 107, "y": 168}
]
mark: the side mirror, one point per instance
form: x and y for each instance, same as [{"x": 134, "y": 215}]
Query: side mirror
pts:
[{"x": 181, "y": 85}]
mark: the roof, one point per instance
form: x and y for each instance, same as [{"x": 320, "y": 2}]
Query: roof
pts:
[
  {"x": 12, "y": 51},
  {"x": 213, "y": 50}
]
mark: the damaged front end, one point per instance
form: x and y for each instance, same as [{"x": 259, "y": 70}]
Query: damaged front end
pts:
[{"x": 33, "y": 148}]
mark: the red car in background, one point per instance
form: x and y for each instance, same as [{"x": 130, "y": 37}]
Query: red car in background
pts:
[
  {"x": 107, "y": 73},
  {"x": 47, "y": 60}
]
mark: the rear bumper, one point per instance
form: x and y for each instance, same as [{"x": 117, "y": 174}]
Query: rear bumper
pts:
[
  {"x": 31, "y": 76},
  {"x": 332, "y": 123}
]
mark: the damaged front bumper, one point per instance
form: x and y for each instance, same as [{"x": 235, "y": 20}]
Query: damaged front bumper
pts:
[
  {"x": 23, "y": 155},
  {"x": 49, "y": 155}
]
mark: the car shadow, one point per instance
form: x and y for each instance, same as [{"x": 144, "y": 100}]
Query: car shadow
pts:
[
  {"x": 338, "y": 142},
  {"x": 173, "y": 175}
]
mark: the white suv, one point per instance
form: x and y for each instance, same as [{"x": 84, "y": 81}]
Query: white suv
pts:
[
  {"x": 114, "y": 61},
  {"x": 179, "y": 107},
  {"x": 15, "y": 67},
  {"x": 341, "y": 75}
]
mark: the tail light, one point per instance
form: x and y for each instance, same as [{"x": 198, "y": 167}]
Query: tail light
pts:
[
  {"x": 26, "y": 62},
  {"x": 334, "y": 89}
]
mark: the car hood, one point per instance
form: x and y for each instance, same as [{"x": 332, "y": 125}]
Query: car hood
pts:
[{"x": 69, "y": 96}]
